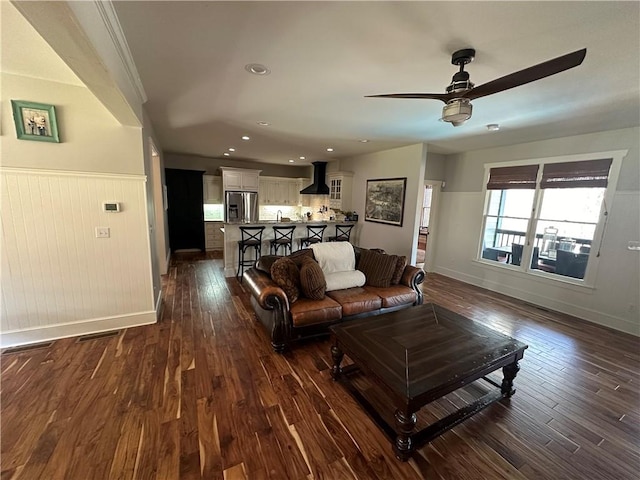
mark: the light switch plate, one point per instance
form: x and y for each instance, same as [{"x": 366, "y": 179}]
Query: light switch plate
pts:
[{"x": 103, "y": 232}]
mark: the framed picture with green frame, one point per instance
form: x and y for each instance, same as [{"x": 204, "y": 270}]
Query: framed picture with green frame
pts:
[{"x": 35, "y": 121}]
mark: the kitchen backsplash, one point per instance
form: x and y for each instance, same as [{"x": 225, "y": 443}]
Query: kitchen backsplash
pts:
[
  {"x": 213, "y": 212},
  {"x": 270, "y": 212}
]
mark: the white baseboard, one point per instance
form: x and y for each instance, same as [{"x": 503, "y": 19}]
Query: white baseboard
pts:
[
  {"x": 590, "y": 315},
  {"x": 158, "y": 304},
  {"x": 85, "y": 327}
]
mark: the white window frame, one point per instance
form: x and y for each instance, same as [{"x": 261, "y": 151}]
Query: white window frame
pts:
[{"x": 524, "y": 268}]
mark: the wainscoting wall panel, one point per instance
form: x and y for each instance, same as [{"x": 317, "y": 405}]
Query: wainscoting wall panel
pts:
[{"x": 55, "y": 272}]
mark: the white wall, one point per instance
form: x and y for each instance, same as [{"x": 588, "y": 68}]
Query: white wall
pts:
[
  {"x": 395, "y": 163},
  {"x": 57, "y": 278},
  {"x": 613, "y": 299},
  {"x": 435, "y": 168},
  {"x": 91, "y": 139}
]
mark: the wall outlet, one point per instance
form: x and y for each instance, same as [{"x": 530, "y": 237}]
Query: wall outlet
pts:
[{"x": 103, "y": 232}]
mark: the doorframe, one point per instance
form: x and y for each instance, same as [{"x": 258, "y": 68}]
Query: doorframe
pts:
[
  {"x": 162, "y": 255},
  {"x": 430, "y": 253}
]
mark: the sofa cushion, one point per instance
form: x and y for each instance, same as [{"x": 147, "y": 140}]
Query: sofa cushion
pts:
[
  {"x": 356, "y": 300},
  {"x": 312, "y": 280},
  {"x": 397, "y": 273},
  {"x": 377, "y": 267},
  {"x": 340, "y": 280},
  {"x": 307, "y": 312},
  {"x": 286, "y": 275},
  {"x": 394, "y": 295}
]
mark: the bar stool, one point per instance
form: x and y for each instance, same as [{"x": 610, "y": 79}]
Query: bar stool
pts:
[
  {"x": 314, "y": 235},
  {"x": 282, "y": 237},
  {"x": 250, "y": 237},
  {"x": 343, "y": 233}
]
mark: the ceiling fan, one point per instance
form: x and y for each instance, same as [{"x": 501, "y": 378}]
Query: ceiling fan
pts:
[{"x": 461, "y": 91}]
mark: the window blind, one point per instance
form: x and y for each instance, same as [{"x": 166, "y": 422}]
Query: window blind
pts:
[
  {"x": 521, "y": 176},
  {"x": 587, "y": 173}
]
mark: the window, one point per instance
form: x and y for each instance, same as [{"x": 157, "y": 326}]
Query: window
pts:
[{"x": 545, "y": 216}]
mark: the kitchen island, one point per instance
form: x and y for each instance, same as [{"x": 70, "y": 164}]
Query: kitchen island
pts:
[{"x": 232, "y": 235}]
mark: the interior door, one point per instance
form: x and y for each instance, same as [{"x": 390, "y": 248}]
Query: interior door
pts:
[{"x": 185, "y": 213}]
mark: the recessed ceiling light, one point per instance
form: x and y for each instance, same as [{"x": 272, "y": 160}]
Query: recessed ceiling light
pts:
[
  {"x": 493, "y": 127},
  {"x": 364, "y": 140},
  {"x": 329, "y": 149},
  {"x": 245, "y": 137},
  {"x": 257, "y": 69},
  {"x": 302, "y": 158},
  {"x": 263, "y": 124},
  {"x": 291, "y": 160},
  {"x": 226, "y": 154},
  {"x": 231, "y": 149}
]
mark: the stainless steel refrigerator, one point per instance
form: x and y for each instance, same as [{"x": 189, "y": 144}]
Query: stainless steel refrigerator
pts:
[{"x": 241, "y": 207}]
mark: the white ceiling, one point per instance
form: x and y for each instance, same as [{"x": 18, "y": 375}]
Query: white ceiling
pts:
[{"x": 326, "y": 56}]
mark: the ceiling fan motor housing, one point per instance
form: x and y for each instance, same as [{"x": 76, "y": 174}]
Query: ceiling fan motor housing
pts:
[
  {"x": 457, "y": 111},
  {"x": 460, "y": 81}
]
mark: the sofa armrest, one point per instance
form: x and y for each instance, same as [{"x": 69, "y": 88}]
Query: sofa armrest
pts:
[
  {"x": 413, "y": 277},
  {"x": 271, "y": 307},
  {"x": 266, "y": 292}
]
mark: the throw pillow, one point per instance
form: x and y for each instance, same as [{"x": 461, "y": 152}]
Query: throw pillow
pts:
[
  {"x": 265, "y": 262},
  {"x": 312, "y": 280},
  {"x": 300, "y": 256},
  {"x": 400, "y": 266},
  {"x": 286, "y": 275},
  {"x": 377, "y": 267},
  {"x": 357, "y": 251}
]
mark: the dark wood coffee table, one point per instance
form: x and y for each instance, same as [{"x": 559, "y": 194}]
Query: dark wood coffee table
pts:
[{"x": 415, "y": 356}]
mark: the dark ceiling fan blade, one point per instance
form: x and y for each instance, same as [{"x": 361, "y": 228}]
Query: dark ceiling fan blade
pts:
[
  {"x": 531, "y": 74},
  {"x": 445, "y": 97}
]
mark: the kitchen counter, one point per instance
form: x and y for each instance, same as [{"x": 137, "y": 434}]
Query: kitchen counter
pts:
[{"x": 232, "y": 235}]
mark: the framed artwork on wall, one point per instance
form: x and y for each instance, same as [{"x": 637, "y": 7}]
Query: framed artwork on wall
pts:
[
  {"x": 385, "y": 200},
  {"x": 35, "y": 121}
]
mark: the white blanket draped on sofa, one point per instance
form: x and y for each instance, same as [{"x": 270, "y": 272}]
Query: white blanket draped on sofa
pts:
[{"x": 338, "y": 263}]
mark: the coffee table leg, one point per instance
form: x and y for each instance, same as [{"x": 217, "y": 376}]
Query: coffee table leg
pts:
[
  {"x": 337, "y": 356},
  {"x": 510, "y": 371},
  {"x": 405, "y": 422}
]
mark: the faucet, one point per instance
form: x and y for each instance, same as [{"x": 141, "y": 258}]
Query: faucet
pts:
[{"x": 279, "y": 216}]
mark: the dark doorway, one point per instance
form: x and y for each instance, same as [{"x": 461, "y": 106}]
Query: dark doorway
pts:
[{"x": 185, "y": 213}]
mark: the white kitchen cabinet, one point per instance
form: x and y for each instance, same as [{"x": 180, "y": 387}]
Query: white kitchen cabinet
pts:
[
  {"x": 305, "y": 200},
  {"x": 240, "y": 179},
  {"x": 279, "y": 191},
  {"x": 268, "y": 193},
  {"x": 213, "y": 237},
  {"x": 293, "y": 192},
  {"x": 212, "y": 189},
  {"x": 340, "y": 184}
]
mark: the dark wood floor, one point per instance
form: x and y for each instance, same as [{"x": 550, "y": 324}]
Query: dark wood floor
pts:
[{"x": 201, "y": 395}]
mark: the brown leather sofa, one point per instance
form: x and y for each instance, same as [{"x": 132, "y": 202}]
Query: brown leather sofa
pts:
[{"x": 307, "y": 318}]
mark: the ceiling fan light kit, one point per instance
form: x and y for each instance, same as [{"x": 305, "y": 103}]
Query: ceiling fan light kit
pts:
[
  {"x": 457, "y": 111},
  {"x": 461, "y": 91}
]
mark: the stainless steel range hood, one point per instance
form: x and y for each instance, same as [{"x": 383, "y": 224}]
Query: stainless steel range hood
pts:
[{"x": 318, "y": 187}]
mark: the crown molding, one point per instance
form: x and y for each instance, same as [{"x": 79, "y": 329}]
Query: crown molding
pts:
[{"x": 112, "y": 24}]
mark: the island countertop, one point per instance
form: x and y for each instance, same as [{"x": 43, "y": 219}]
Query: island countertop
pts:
[
  {"x": 232, "y": 235},
  {"x": 265, "y": 223}
]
